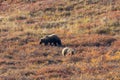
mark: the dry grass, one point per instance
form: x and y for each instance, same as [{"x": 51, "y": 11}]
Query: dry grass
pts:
[{"x": 92, "y": 27}]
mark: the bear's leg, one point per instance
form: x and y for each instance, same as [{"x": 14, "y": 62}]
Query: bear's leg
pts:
[
  {"x": 55, "y": 43},
  {"x": 46, "y": 44},
  {"x": 59, "y": 43},
  {"x": 51, "y": 43}
]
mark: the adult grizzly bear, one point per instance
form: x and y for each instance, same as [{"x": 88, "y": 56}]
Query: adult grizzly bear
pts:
[
  {"x": 68, "y": 51},
  {"x": 51, "y": 39}
]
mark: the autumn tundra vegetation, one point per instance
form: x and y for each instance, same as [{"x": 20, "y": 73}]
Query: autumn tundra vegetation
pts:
[{"x": 91, "y": 27}]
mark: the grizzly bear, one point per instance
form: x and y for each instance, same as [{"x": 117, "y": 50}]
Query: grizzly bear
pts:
[
  {"x": 51, "y": 39},
  {"x": 68, "y": 51}
]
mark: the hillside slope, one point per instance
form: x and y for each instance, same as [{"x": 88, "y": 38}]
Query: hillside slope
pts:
[{"x": 92, "y": 27}]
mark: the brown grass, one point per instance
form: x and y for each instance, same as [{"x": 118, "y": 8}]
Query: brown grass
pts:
[{"x": 92, "y": 27}]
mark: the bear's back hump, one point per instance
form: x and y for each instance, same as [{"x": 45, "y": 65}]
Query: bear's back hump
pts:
[{"x": 53, "y": 36}]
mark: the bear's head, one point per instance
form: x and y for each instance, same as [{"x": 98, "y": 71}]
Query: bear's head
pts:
[{"x": 42, "y": 40}]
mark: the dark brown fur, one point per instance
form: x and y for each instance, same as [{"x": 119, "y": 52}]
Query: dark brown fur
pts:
[{"x": 51, "y": 39}]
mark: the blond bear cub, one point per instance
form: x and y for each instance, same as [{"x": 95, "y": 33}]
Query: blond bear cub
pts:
[{"x": 68, "y": 51}]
